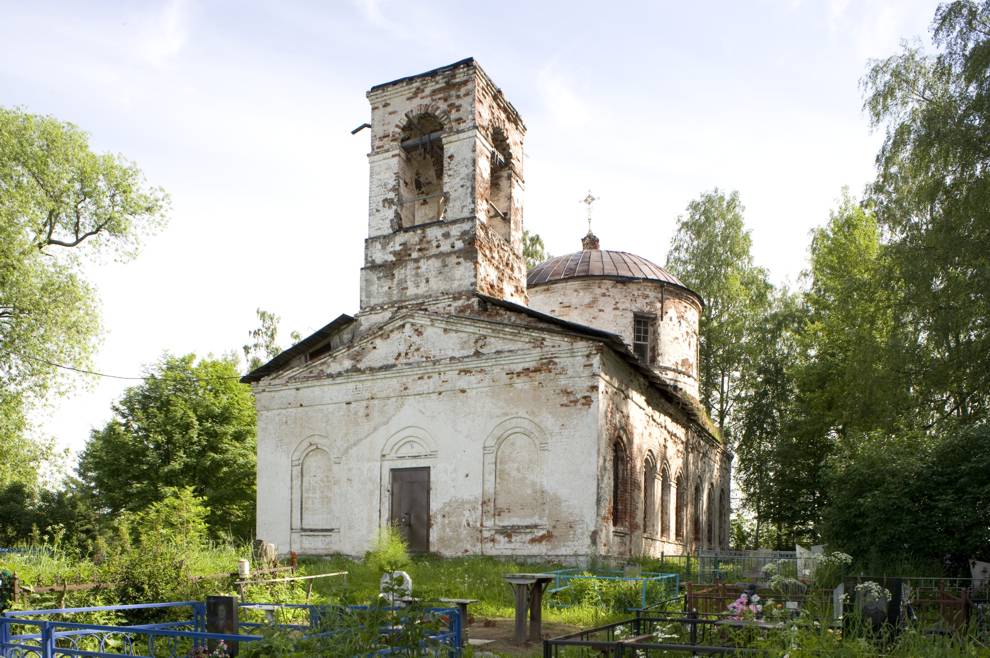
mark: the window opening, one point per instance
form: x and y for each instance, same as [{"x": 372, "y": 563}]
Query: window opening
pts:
[
  {"x": 665, "y": 502},
  {"x": 712, "y": 518},
  {"x": 649, "y": 497},
  {"x": 696, "y": 518},
  {"x": 500, "y": 181},
  {"x": 620, "y": 486},
  {"x": 643, "y": 337},
  {"x": 421, "y": 171},
  {"x": 723, "y": 519}
]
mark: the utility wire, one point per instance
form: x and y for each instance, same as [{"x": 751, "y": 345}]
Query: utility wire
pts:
[{"x": 123, "y": 377}]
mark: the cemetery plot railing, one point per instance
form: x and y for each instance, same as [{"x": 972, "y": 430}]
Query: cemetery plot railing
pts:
[
  {"x": 30, "y": 634},
  {"x": 752, "y": 566},
  {"x": 650, "y": 634},
  {"x": 715, "y": 598},
  {"x": 950, "y": 602},
  {"x": 655, "y": 589},
  {"x": 22, "y": 591}
]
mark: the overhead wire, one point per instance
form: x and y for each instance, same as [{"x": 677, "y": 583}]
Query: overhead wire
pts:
[{"x": 143, "y": 378}]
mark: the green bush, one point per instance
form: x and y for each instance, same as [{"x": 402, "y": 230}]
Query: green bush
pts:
[
  {"x": 390, "y": 553},
  {"x": 353, "y": 633}
]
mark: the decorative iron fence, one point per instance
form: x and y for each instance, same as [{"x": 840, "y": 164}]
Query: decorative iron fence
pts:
[
  {"x": 658, "y": 635},
  {"x": 757, "y": 566},
  {"x": 32, "y": 634},
  {"x": 948, "y": 603}
]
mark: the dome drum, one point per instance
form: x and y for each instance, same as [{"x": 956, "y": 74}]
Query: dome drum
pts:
[{"x": 653, "y": 312}]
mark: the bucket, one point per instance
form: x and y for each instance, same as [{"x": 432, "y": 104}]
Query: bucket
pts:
[{"x": 243, "y": 569}]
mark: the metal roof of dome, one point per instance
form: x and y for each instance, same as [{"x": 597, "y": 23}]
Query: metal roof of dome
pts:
[{"x": 595, "y": 262}]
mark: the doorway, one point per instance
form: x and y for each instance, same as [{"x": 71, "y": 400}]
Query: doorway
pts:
[{"x": 410, "y": 507}]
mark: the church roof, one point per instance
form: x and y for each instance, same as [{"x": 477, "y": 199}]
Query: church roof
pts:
[
  {"x": 689, "y": 405},
  {"x": 595, "y": 262},
  {"x": 311, "y": 342}
]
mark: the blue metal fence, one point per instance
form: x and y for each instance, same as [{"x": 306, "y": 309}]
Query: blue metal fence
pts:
[{"x": 33, "y": 634}]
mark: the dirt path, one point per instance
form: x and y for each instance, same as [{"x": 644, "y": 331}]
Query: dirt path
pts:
[{"x": 501, "y": 632}]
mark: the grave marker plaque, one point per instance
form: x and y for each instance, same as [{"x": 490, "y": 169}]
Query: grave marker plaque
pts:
[{"x": 221, "y": 617}]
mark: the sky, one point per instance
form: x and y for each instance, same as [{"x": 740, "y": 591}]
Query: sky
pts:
[{"x": 242, "y": 111}]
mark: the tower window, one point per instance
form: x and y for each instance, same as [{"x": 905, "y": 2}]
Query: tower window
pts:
[
  {"x": 500, "y": 184},
  {"x": 422, "y": 198},
  {"x": 643, "y": 330}
]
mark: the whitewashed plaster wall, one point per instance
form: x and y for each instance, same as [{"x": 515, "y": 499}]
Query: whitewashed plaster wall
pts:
[{"x": 452, "y": 417}]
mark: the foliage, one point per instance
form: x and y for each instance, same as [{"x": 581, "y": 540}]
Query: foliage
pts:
[
  {"x": 6, "y": 588},
  {"x": 264, "y": 341},
  {"x": 710, "y": 253},
  {"x": 60, "y": 201},
  {"x": 190, "y": 424},
  {"x": 881, "y": 489},
  {"x": 22, "y": 457},
  {"x": 766, "y": 403},
  {"x": 391, "y": 552},
  {"x": 932, "y": 195},
  {"x": 885, "y": 363},
  {"x": 178, "y": 519},
  {"x": 533, "y": 250},
  {"x": 853, "y": 380},
  {"x": 830, "y": 568},
  {"x": 355, "y": 632}
]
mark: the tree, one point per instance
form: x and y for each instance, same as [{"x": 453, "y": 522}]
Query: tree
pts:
[
  {"x": 912, "y": 496},
  {"x": 829, "y": 378},
  {"x": 710, "y": 253},
  {"x": 765, "y": 407},
  {"x": 59, "y": 202},
  {"x": 533, "y": 250},
  {"x": 190, "y": 424},
  {"x": 264, "y": 341},
  {"x": 932, "y": 195},
  {"x": 854, "y": 379}
]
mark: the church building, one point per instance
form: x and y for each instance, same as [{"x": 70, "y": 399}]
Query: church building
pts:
[{"x": 480, "y": 409}]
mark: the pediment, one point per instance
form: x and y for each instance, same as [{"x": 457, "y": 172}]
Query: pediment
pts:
[{"x": 420, "y": 337}]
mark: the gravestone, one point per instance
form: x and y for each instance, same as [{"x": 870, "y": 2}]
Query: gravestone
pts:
[
  {"x": 221, "y": 617},
  {"x": 395, "y": 587}
]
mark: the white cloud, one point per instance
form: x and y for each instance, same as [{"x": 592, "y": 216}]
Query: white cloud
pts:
[
  {"x": 561, "y": 101},
  {"x": 836, "y": 10},
  {"x": 166, "y": 33}
]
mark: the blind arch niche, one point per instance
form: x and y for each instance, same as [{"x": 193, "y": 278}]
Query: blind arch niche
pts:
[{"x": 514, "y": 475}]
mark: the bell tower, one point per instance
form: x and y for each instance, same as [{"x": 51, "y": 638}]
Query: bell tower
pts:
[{"x": 445, "y": 204}]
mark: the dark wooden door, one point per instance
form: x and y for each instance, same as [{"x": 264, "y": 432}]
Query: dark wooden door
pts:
[{"x": 410, "y": 511}]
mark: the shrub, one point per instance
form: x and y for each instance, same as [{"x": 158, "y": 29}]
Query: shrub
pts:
[{"x": 390, "y": 553}]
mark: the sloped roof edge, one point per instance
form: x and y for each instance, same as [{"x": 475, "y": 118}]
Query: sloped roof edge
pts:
[
  {"x": 305, "y": 345},
  {"x": 691, "y": 407}
]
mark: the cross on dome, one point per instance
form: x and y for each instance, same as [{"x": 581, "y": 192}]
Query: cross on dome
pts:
[
  {"x": 589, "y": 241},
  {"x": 588, "y": 200}
]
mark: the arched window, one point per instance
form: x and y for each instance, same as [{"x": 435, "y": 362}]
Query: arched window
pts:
[
  {"x": 712, "y": 516},
  {"x": 723, "y": 519},
  {"x": 315, "y": 485},
  {"x": 665, "y": 502},
  {"x": 421, "y": 192},
  {"x": 620, "y": 486},
  {"x": 696, "y": 516},
  {"x": 680, "y": 505},
  {"x": 649, "y": 496},
  {"x": 500, "y": 182}
]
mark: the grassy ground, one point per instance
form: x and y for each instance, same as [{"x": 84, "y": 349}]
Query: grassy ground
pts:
[{"x": 588, "y": 604}]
